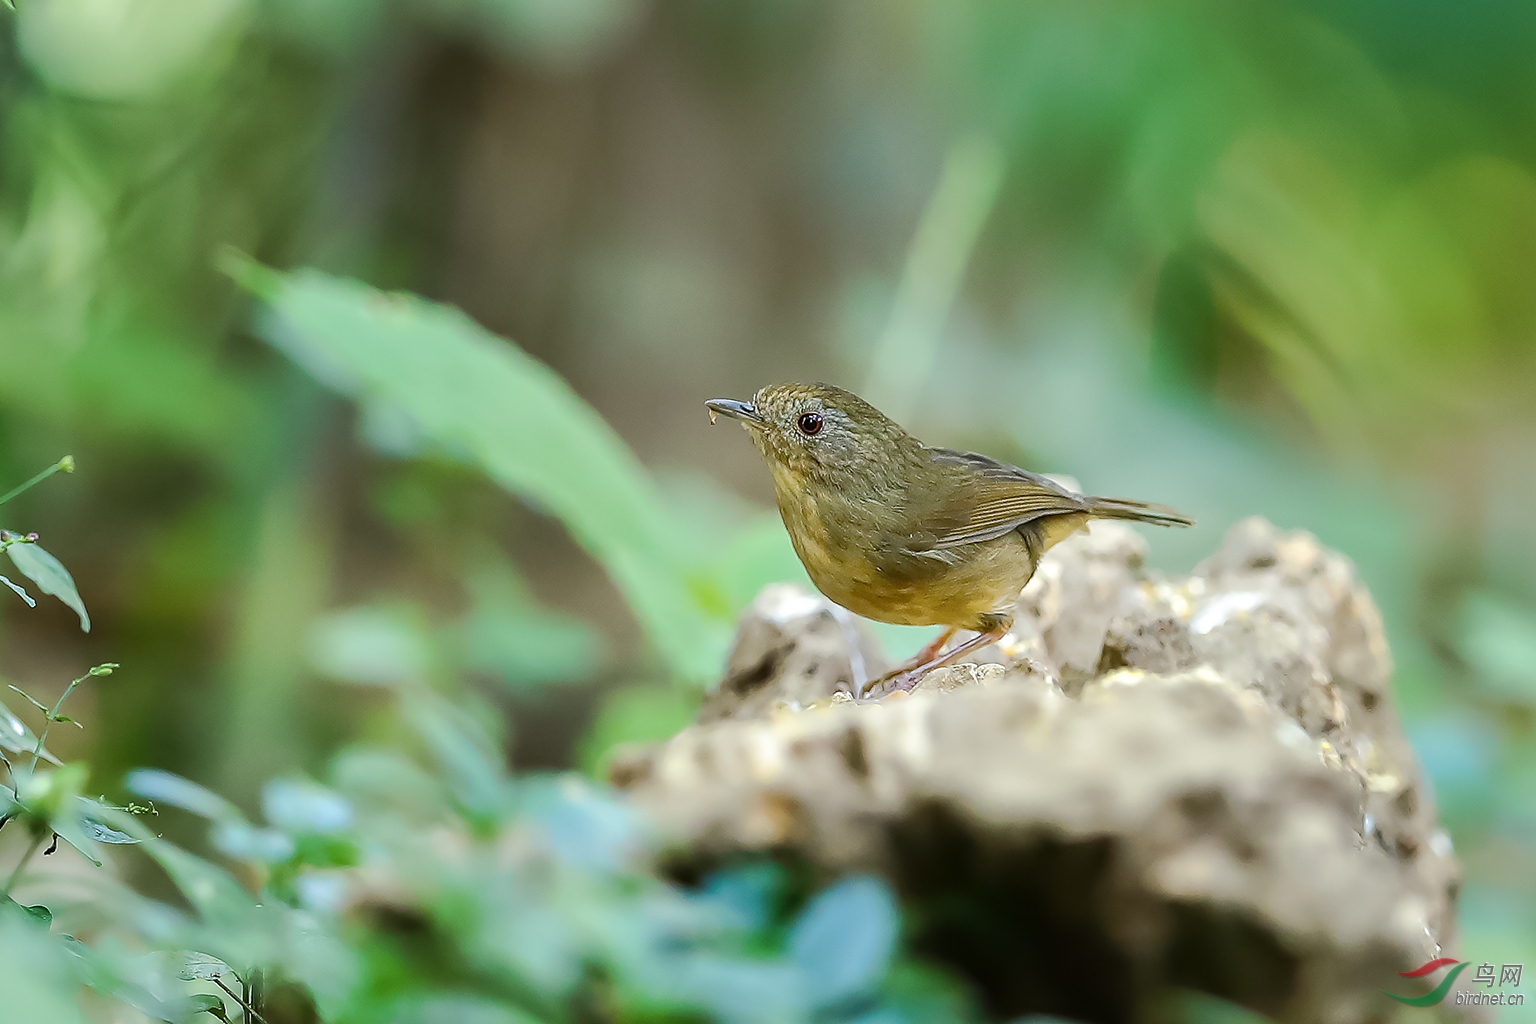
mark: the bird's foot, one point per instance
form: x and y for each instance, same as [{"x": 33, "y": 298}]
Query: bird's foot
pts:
[
  {"x": 900, "y": 679},
  {"x": 906, "y": 677}
]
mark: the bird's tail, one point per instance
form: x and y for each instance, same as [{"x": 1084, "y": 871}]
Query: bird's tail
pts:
[{"x": 1136, "y": 512}]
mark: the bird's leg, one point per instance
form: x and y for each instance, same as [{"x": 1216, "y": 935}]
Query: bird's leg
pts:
[
  {"x": 906, "y": 677},
  {"x": 928, "y": 653},
  {"x": 907, "y": 680},
  {"x": 932, "y": 649}
]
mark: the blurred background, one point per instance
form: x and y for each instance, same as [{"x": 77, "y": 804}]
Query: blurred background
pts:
[{"x": 1271, "y": 259}]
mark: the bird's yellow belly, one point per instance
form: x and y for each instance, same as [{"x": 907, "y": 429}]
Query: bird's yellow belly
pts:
[{"x": 980, "y": 581}]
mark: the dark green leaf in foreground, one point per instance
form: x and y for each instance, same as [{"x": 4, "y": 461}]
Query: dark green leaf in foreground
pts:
[
  {"x": 844, "y": 939},
  {"x": 50, "y": 576},
  {"x": 37, "y": 982},
  {"x": 205, "y": 1002},
  {"x": 472, "y": 392},
  {"x": 41, "y": 914}
]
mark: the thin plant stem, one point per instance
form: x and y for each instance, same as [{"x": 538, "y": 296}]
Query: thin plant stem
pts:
[
  {"x": 66, "y": 464},
  {"x": 42, "y": 736},
  {"x": 21, "y": 866},
  {"x": 10, "y": 783},
  {"x": 250, "y": 1010}
]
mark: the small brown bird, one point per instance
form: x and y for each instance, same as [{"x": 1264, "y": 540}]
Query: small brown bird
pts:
[{"x": 896, "y": 531}]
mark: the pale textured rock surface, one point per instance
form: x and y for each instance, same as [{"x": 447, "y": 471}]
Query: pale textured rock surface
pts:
[
  {"x": 792, "y": 648},
  {"x": 1194, "y": 781}
]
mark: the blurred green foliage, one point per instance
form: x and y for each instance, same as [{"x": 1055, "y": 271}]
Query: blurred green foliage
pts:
[
  {"x": 422, "y": 884},
  {"x": 425, "y": 885},
  {"x": 1241, "y": 258}
]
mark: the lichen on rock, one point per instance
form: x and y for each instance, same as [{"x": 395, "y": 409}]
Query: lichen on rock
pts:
[{"x": 1152, "y": 783}]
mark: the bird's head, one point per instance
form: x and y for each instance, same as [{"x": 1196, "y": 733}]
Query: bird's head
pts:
[{"x": 817, "y": 433}]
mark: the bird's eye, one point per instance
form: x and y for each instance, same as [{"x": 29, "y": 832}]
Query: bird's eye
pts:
[{"x": 809, "y": 423}]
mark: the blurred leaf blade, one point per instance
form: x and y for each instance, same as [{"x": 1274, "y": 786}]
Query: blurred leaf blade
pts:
[
  {"x": 521, "y": 423},
  {"x": 844, "y": 939},
  {"x": 1497, "y": 637},
  {"x": 371, "y": 646},
  {"x": 50, "y": 576},
  {"x": 163, "y": 786},
  {"x": 197, "y": 966},
  {"x": 509, "y": 634},
  {"x": 91, "y": 814},
  {"x": 17, "y": 738}
]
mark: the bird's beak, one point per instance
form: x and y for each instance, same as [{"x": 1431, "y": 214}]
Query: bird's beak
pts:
[{"x": 735, "y": 410}]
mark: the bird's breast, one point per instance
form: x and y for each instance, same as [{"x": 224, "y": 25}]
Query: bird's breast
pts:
[{"x": 880, "y": 576}]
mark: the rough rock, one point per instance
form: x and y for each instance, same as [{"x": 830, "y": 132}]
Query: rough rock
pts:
[
  {"x": 792, "y": 648},
  {"x": 1155, "y": 783}
]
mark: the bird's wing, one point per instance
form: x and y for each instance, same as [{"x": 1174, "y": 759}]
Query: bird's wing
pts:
[{"x": 983, "y": 499}]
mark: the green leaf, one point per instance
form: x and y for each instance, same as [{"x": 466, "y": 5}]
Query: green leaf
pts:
[
  {"x": 370, "y": 647},
  {"x": 443, "y": 1007},
  {"x": 55, "y": 797},
  {"x": 70, "y": 825},
  {"x": 165, "y": 788},
  {"x": 37, "y": 977},
  {"x": 474, "y": 392},
  {"x": 204, "y": 1002},
  {"x": 102, "y": 971},
  {"x": 508, "y": 634},
  {"x": 759, "y": 553},
  {"x": 211, "y": 891},
  {"x": 244, "y": 841},
  {"x": 39, "y": 913},
  {"x": 97, "y": 830},
  {"x": 31, "y": 699},
  {"x": 635, "y": 714},
  {"x": 50, "y": 576},
  {"x": 20, "y": 592},
  {"x": 474, "y": 767},
  {"x": 17, "y": 738},
  {"x": 1497, "y": 637},
  {"x": 302, "y": 807},
  {"x": 844, "y": 939},
  {"x": 197, "y": 966}
]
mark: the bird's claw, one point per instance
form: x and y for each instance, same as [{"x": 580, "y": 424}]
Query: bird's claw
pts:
[{"x": 889, "y": 684}]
